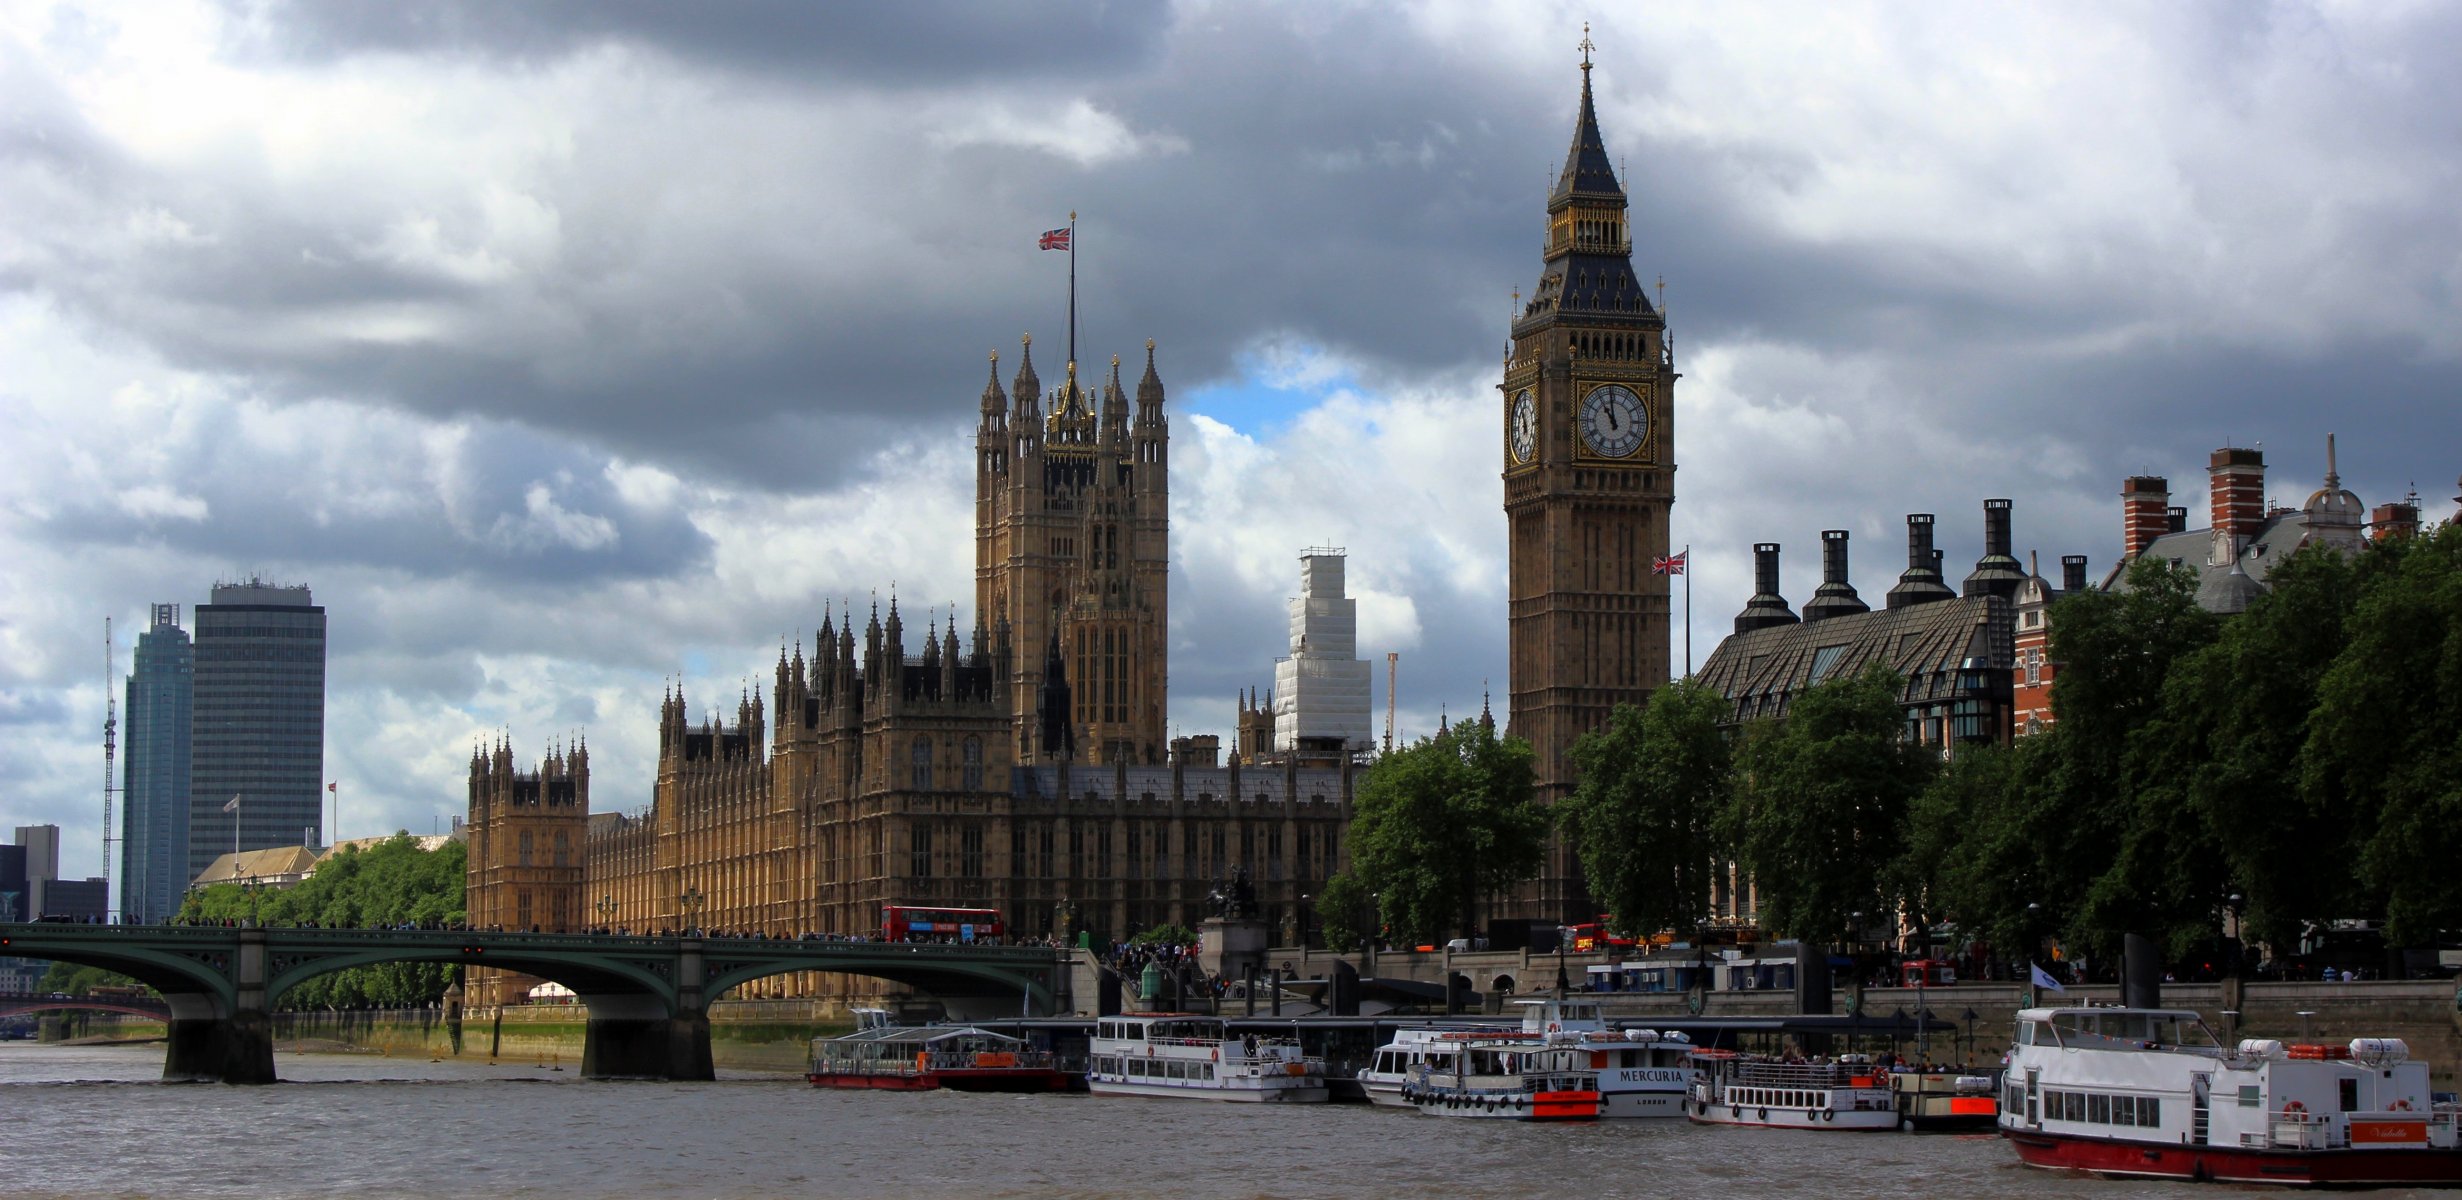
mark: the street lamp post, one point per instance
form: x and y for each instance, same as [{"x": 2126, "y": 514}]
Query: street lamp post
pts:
[
  {"x": 690, "y": 902},
  {"x": 606, "y": 911}
]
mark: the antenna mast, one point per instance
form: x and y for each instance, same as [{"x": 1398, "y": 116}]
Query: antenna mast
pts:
[
  {"x": 1391, "y": 660},
  {"x": 111, "y": 748}
]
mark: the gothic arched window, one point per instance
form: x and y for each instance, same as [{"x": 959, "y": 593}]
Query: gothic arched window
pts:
[
  {"x": 972, "y": 760},
  {"x": 923, "y": 764}
]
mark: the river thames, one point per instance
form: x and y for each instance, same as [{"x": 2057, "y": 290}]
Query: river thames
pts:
[{"x": 94, "y": 1121}]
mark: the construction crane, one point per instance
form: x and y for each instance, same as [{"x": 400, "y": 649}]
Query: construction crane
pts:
[
  {"x": 111, "y": 746},
  {"x": 1392, "y": 660}
]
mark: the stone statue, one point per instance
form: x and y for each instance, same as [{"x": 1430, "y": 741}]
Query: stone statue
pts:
[{"x": 1236, "y": 898}]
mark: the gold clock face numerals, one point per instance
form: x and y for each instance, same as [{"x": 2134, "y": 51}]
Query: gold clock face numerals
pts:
[
  {"x": 1614, "y": 421},
  {"x": 1523, "y": 433}
]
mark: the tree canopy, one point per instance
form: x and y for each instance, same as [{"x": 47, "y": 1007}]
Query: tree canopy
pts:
[
  {"x": 1819, "y": 810},
  {"x": 392, "y": 883},
  {"x": 1443, "y": 822},
  {"x": 1652, "y": 783}
]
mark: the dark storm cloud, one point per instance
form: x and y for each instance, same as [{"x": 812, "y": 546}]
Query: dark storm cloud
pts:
[
  {"x": 922, "y": 44},
  {"x": 500, "y": 504}
]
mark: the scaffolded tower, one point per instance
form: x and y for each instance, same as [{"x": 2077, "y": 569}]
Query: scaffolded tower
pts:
[{"x": 1321, "y": 690}]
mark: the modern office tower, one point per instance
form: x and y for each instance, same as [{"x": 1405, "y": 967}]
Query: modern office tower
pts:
[
  {"x": 154, "y": 818},
  {"x": 1321, "y": 690},
  {"x": 257, "y": 731},
  {"x": 41, "y": 844}
]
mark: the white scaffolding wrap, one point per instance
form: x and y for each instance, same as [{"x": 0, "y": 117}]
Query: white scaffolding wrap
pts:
[{"x": 1321, "y": 690}]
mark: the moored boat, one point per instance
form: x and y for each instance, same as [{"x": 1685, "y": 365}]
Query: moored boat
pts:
[
  {"x": 1193, "y": 1057},
  {"x": 920, "y": 1058},
  {"x": 1749, "y": 1089},
  {"x": 1944, "y": 1101},
  {"x": 1397, "y": 1062},
  {"x": 2151, "y": 1092},
  {"x": 1511, "y": 1077},
  {"x": 1641, "y": 1072}
]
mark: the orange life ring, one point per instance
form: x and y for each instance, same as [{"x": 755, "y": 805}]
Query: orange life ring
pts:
[
  {"x": 2295, "y": 1110},
  {"x": 2403, "y": 1105},
  {"x": 1217, "y": 1054}
]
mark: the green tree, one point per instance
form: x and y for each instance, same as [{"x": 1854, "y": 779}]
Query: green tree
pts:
[
  {"x": 1819, "y": 810},
  {"x": 2383, "y": 752},
  {"x": 2215, "y": 773},
  {"x": 391, "y": 883},
  {"x": 1652, "y": 783},
  {"x": 1346, "y": 910},
  {"x": 2119, "y": 854},
  {"x": 1444, "y": 821}
]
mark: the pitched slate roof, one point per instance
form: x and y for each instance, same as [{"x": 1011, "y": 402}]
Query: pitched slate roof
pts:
[{"x": 1761, "y": 672}]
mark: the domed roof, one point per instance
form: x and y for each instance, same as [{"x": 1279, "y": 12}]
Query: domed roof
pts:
[{"x": 2334, "y": 504}]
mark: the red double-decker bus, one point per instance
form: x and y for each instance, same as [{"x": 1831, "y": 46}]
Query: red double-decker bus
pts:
[{"x": 918, "y": 923}]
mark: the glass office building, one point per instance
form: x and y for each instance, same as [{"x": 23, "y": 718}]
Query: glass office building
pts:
[
  {"x": 154, "y": 818},
  {"x": 258, "y": 728}
]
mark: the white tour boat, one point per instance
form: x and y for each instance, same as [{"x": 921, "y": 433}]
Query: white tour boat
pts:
[
  {"x": 1195, "y": 1057},
  {"x": 1509, "y": 1077},
  {"x": 1397, "y": 1062},
  {"x": 1751, "y": 1089},
  {"x": 1641, "y": 1072},
  {"x": 2152, "y": 1092}
]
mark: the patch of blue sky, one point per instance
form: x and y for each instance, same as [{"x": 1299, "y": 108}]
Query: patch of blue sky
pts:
[{"x": 1276, "y": 383}]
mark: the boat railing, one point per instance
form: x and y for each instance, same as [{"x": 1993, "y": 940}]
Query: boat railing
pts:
[{"x": 1805, "y": 1075}]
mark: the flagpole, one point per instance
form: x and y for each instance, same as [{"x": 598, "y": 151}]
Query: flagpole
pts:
[
  {"x": 1688, "y": 611},
  {"x": 1072, "y": 285}
]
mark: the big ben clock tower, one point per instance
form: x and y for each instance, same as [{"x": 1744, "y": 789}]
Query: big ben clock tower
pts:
[{"x": 1588, "y": 449}]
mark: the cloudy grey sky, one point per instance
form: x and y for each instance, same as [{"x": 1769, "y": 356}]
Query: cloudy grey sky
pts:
[{"x": 566, "y": 347}]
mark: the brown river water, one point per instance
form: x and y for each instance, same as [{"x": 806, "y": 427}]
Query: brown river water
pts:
[{"x": 94, "y": 1121}]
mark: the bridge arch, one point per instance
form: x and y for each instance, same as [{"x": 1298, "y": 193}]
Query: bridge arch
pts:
[{"x": 993, "y": 981}]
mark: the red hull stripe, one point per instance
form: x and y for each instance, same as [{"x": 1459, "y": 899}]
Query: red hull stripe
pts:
[{"x": 2230, "y": 1164}]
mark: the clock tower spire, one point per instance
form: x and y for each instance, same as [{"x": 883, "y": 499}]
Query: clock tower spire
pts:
[{"x": 1589, "y": 472}]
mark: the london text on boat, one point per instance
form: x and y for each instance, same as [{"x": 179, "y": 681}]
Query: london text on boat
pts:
[
  {"x": 1186, "y": 1056},
  {"x": 1510, "y": 1076},
  {"x": 1741, "y": 1089},
  {"x": 2152, "y": 1092}
]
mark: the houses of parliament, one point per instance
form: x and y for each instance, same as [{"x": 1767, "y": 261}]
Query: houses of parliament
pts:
[{"x": 1025, "y": 767}]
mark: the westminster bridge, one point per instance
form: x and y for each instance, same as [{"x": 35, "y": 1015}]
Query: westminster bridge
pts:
[{"x": 647, "y": 998}]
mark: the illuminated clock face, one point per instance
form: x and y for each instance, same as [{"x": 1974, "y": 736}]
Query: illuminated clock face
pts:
[
  {"x": 1525, "y": 429},
  {"x": 1613, "y": 422}
]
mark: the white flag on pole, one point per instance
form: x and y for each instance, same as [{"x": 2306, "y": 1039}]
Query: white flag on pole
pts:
[
  {"x": 233, "y": 806},
  {"x": 2043, "y": 979}
]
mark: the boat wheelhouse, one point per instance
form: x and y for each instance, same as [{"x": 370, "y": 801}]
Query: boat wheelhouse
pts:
[
  {"x": 1509, "y": 1076},
  {"x": 1189, "y": 1056},
  {"x": 1749, "y": 1089},
  {"x": 920, "y": 1058},
  {"x": 2152, "y": 1092}
]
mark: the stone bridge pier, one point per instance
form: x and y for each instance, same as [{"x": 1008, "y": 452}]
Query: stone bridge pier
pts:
[
  {"x": 218, "y": 1040},
  {"x": 640, "y": 1035}
]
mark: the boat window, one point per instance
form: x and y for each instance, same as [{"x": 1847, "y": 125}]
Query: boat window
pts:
[
  {"x": 2249, "y": 1097},
  {"x": 2099, "y": 1109},
  {"x": 2350, "y": 1095},
  {"x": 2149, "y": 1112}
]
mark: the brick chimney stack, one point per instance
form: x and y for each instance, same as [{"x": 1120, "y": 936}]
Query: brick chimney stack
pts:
[
  {"x": 2397, "y": 519},
  {"x": 2143, "y": 499},
  {"x": 2072, "y": 574},
  {"x": 2236, "y": 485}
]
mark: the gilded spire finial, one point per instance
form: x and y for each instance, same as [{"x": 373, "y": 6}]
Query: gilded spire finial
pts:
[{"x": 1586, "y": 47}]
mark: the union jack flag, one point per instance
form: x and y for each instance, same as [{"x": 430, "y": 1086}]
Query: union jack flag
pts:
[
  {"x": 1054, "y": 239},
  {"x": 1671, "y": 564}
]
